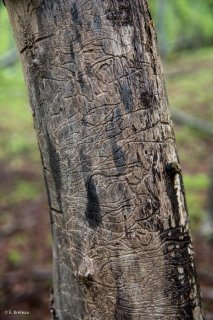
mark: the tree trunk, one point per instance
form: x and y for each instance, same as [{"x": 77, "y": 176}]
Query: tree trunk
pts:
[{"x": 122, "y": 248}]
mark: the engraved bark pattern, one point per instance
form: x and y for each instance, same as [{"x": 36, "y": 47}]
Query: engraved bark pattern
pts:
[{"x": 122, "y": 248}]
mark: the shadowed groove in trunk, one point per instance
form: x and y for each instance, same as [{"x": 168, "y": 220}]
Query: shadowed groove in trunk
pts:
[{"x": 93, "y": 212}]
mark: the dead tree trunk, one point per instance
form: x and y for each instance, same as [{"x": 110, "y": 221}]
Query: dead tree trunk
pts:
[{"x": 122, "y": 248}]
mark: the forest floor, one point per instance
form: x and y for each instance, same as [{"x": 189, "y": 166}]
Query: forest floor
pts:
[{"x": 25, "y": 246}]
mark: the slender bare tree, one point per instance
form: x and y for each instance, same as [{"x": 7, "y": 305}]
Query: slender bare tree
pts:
[{"x": 121, "y": 243}]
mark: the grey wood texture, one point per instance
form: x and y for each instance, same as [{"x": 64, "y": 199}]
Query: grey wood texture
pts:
[{"x": 122, "y": 248}]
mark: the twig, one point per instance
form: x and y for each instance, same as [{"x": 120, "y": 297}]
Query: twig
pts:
[
  {"x": 9, "y": 58},
  {"x": 181, "y": 117}
]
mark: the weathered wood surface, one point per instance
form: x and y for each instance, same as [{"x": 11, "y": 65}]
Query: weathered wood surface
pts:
[{"x": 122, "y": 248}]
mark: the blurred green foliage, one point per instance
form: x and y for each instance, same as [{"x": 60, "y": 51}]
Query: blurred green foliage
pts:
[
  {"x": 183, "y": 24},
  {"x": 17, "y": 136},
  {"x": 15, "y": 257},
  {"x": 196, "y": 186},
  {"x": 24, "y": 190},
  {"x": 6, "y": 36},
  {"x": 19, "y": 156},
  {"x": 197, "y": 182},
  {"x": 16, "y": 122}
]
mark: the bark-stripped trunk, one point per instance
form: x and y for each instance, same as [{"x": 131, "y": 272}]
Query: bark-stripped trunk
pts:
[{"x": 122, "y": 248}]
